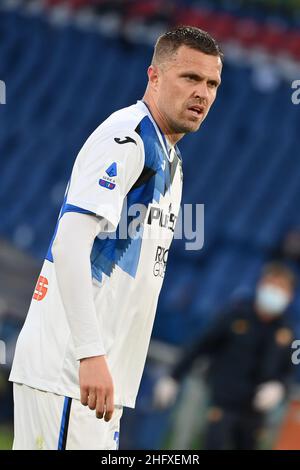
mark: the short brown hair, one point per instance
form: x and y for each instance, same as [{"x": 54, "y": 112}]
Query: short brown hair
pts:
[
  {"x": 190, "y": 36},
  {"x": 277, "y": 268}
]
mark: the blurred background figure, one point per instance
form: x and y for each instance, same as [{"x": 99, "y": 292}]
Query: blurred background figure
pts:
[
  {"x": 61, "y": 62},
  {"x": 249, "y": 347},
  {"x": 289, "y": 247}
]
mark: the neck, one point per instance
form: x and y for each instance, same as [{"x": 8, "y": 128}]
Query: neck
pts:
[{"x": 162, "y": 122}]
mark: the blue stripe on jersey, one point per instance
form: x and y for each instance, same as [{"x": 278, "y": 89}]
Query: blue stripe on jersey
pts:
[
  {"x": 108, "y": 253},
  {"x": 72, "y": 208},
  {"x": 124, "y": 252},
  {"x": 64, "y": 424},
  {"x": 117, "y": 438},
  {"x": 65, "y": 208},
  {"x": 154, "y": 157},
  {"x": 161, "y": 133}
]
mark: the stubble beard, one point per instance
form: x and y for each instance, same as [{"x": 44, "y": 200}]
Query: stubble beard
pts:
[{"x": 181, "y": 127}]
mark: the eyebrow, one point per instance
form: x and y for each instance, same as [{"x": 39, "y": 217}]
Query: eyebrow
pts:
[{"x": 198, "y": 77}]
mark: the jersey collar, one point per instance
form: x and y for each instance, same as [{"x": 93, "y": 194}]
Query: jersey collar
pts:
[{"x": 162, "y": 138}]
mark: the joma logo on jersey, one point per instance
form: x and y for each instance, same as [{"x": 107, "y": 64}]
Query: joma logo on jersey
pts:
[
  {"x": 160, "y": 263},
  {"x": 41, "y": 288},
  {"x": 166, "y": 220}
]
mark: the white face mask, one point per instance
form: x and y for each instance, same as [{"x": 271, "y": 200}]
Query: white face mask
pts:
[{"x": 272, "y": 300}]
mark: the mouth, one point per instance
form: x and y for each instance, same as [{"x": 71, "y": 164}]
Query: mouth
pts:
[{"x": 196, "y": 110}]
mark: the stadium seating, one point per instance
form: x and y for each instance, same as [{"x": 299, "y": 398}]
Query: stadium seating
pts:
[{"x": 243, "y": 165}]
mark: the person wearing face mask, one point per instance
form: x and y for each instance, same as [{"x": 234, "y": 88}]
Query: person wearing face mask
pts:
[{"x": 249, "y": 351}]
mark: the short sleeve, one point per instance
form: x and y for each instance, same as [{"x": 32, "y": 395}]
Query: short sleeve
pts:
[{"x": 107, "y": 166}]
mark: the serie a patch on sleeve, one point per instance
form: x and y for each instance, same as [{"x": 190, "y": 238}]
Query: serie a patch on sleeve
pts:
[{"x": 107, "y": 181}]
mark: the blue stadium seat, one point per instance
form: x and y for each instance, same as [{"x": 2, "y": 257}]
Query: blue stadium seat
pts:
[{"x": 242, "y": 165}]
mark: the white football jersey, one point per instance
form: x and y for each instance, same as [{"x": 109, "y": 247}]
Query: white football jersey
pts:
[{"x": 127, "y": 174}]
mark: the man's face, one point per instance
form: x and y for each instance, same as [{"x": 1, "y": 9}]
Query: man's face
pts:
[
  {"x": 186, "y": 87},
  {"x": 273, "y": 295},
  {"x": 279, "y": 282}
]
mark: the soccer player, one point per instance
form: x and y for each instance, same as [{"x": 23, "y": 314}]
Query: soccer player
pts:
[{"x": 82, "y": 349}]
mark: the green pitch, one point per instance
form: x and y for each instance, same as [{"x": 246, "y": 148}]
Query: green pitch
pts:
[{"x": 6, "y": 437}]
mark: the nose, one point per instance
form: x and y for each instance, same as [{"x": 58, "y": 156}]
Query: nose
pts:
[{"x": 201, "y": 91}]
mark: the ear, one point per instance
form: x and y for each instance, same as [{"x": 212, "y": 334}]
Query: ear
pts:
[{"x": 153, "y": 76}]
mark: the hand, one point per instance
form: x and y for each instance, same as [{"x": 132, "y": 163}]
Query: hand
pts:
[
  {"x": 165, "y": 392},
  {"x": 96, "y": 386},
  {"x": 268, "y": 395}
]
